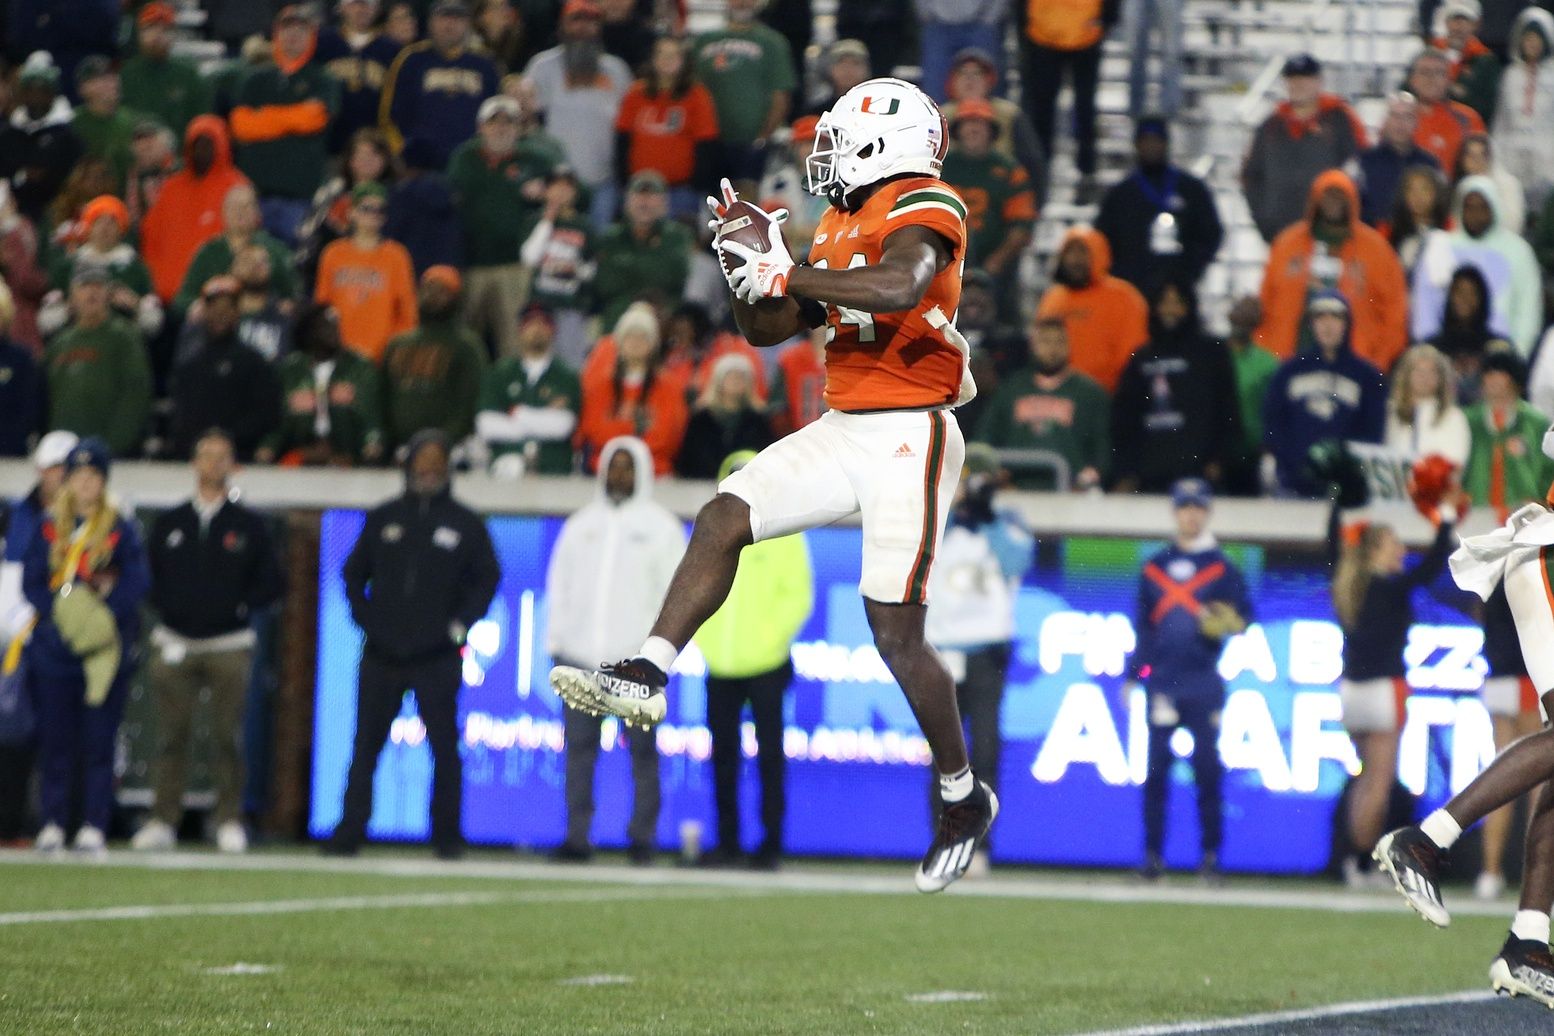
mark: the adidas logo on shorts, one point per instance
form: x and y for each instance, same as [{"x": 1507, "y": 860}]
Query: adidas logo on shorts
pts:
[{"x": 904, "y": 451}]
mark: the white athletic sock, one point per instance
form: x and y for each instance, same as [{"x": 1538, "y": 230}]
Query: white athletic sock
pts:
[
  {"x": 1441, "y": 829},
  {"x": 956, "y": 786},
  {"x": 1531, "y": 924},
  {"x": 660, "y": 652}
]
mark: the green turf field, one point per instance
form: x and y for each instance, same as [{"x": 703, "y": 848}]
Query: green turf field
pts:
[{"x": 491, "y": 946}]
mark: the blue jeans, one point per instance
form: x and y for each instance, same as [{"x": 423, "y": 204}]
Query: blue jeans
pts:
[
  {"x": 1166, "y": 16},
  {"x": 941, "y": 41}
]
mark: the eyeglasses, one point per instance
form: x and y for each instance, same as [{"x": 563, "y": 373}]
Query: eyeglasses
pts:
[{"x": 374, "y": 210}]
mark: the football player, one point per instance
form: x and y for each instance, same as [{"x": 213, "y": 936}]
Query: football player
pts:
[
  {"x": 883, "y": 277},
  {"x": 1520, "y": 557}
]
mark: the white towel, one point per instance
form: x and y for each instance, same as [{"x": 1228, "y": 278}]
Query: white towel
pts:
[{"x": 1480, "y": 563}]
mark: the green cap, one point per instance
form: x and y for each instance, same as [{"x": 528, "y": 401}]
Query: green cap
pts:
[
  {"x": 368, "y": 189},
  {"x": 982, "y": 459}
]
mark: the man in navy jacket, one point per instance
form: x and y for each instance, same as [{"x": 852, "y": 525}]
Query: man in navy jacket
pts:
[
  {"x": 1330, "y": 393},
  {"x": 1191, "y": 599},
  {"x": 434, "y": 88}
]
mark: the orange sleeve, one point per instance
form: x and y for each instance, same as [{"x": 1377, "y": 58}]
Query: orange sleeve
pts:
[
  {"x": 938, "y": 217},
  {"x": 273, "y": 121},
  {"x": 600, "y": 362}
]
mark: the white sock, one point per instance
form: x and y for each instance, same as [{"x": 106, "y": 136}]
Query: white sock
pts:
[
  {"x": 1441, "y": 829},
  {"x": 956, "y": 786},
  {"x": 1532, "y": 925},
  {"x": 660, "y": 652}
]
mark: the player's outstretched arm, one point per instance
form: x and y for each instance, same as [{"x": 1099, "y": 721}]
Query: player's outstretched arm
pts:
[{"x": 911, "y": 258}]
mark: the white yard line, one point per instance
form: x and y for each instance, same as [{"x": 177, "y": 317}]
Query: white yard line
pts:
[
  {"x": 153, "y": 911},
  {"x": 1273, "y": 1018},
  {"x": 1088, "y": 889}
]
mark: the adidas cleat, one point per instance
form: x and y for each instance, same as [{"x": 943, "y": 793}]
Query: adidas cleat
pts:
[
  {"x": 632, "y": 690},
  {"x": 961, "y": 826},
  {"x": 1413, "y": 862},
  {"x": 1524, "y": 968}
]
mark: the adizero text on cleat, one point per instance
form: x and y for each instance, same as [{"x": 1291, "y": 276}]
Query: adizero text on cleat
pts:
[
  {"x": 1413, "y": 862},
  {"x": 961, "y": 826},
  {"x": 1524, "y": 968},
  {"x": 632, "y": 690}
]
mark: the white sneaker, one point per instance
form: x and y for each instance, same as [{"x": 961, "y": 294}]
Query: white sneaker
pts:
[
  {"x": 90, "y": 843},
  {"x": 231, "y": 838},
  {"x": 1488, "y": 886},
  {"x": 155, "y": 836},
  {"x": 50, "y": 840}
]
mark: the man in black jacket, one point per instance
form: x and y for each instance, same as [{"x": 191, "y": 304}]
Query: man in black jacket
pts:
[
  {"x": 223, "y": 384},
  {"x": 421, "y": 574},
  {"x": 1160, "y": 220},
  {"x": 212, "y": 568}
]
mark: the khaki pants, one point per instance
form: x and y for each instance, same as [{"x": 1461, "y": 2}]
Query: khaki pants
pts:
[
  {"x": 493, "y": 298},
  {"x": 175, "y": 693}
]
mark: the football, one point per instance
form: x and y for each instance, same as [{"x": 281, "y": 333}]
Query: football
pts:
[{"x": 746, "y": 223}]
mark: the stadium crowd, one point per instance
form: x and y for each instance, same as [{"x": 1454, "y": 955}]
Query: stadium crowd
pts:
[{"x": 485, "y": 219}]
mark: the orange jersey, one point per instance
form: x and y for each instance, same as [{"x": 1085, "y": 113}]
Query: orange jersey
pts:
[{"x": 892, "y": 361}]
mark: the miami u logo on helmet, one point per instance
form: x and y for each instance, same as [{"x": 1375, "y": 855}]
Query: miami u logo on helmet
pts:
[{"x": 871, "y": 108}]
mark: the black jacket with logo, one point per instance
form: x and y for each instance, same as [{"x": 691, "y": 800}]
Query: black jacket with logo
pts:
[
  {"x": 421, "y": 564},
  {"x": 208, "y": 582}
]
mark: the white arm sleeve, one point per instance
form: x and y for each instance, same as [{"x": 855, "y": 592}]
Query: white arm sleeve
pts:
[{"x": 533, "y": 249}]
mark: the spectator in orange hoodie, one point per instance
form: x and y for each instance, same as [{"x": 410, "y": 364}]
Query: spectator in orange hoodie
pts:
[
  {"x": 1443, "y": 123},
  {"x": 1106, "y": 317},
  {"x": 633, "y": 396},
  {"x": 187, "y": 211},
  {"x": 367, "y": 278},
  {"x": 1331, "y": 250}
]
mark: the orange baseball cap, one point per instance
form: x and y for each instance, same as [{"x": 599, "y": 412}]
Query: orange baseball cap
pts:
[
  {"x": 445, "y": 275},
  {"x": 105, "y": 205},
  {"x": 157, "y": 13},
  {"x": 804, "y": 129},
  {"x": 974, "y": 108}
]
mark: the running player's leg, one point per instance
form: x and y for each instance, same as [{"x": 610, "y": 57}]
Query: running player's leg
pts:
[
  {"x": 1524, "y": 966},
  {"x": 796, "y": 483},
  {"x": 1412, "y": 855},
  {"x": 904, "y": 467}
]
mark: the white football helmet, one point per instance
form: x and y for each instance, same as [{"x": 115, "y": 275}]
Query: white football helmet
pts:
[{"x": 879, "y": 128}]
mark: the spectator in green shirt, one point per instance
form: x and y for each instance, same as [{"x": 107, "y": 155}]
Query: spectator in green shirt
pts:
[
  {"x": 1254, "y": 368},
  {"x": 99, "y": 379},
  {"x": 1506, "y": 466},
  {"x": 498, "y": 184},
  {"x": 749, "y": 70},
  {"x": 529, "y": 403},
  {"x": 1000, "y": 200},
  {"x": 103, "y": 124},
  {"x": 1050, "y": 406},
  {"x": 241, "y": 220},
  {"x": 155, "y": 82},
  {"x": 432, "y": 375},
  {"x": 644, "y": 256},
  {"x": 330, "y": 409}
]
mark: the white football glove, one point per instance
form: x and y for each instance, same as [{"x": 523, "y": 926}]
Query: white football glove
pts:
[{"x": 758, "y": 275}]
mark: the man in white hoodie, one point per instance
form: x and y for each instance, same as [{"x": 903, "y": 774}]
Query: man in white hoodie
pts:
[{"x": 608, "y": 572}]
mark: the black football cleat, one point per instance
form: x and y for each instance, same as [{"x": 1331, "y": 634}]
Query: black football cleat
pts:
[
  {"x": 1524, "y": 968},
  {"x": 632, "y": 689},
  {"x": 961, "y": 826},
  {"x": 1413, "y": 862}
]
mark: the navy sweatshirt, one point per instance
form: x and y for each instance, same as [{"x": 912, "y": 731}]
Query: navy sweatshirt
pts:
[
  {"x": 1172, "y": 656},
  {"x": 433, "y": 99},
  {"x": 1310, "y": 399}
]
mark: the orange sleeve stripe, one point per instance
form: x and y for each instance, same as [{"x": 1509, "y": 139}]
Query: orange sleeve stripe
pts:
[{"x": 273, "y": 121}]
